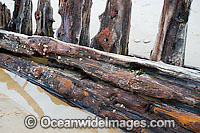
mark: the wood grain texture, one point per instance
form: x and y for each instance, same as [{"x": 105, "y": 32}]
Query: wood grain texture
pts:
[
  {"x": 101, "y": 98},
  {"x": 171, "y": 39},
  {"x": 4, "y": 16},
  {"x": 44, "y": 18},
  {"x": 113, "y": 35},
  {"x": 158, "y": 81},
  {"x": 21, "y": 21},
  {"x": 75, "y": 21}
]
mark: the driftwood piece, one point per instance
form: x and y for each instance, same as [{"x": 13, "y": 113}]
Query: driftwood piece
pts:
[
  {"x": 44, "y": 18},
  {"x": 4, "y": 16},
  {"x": 75, "y": 21},
  {"x": 21, "y": 21},
  {"x": 171, "y": 39},
  {"x": 169, "y": 83},
  {"x": 114, "y": 32},
  {"x": 99, "y": 98}
]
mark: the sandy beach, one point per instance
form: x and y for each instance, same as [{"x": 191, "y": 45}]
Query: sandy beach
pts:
[{"x": 19, "y": 98}]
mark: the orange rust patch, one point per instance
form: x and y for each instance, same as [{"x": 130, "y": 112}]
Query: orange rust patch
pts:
[
  {"x": 64, "y": 85},
  {"x": 55, "y": 76},
  {"x": 85, "y": 93},
  {"x": 70, "y": 51},
  {"x": 104, "y": 39},
  {"x": 91, "y": 65},
  {"x": 73, "y": 51},
  {"x": 188, "y": 120},
  {"x": 38, "y": 72}
]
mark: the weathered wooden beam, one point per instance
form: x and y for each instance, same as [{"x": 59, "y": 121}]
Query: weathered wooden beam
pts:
[
  {"x": 62, "y": 48},
  {"x": 113, "y": 35},
  {"x": 4, "y": 16},
  {"x": 100, "y": 98},
  {"x": 44, "y": 18},
  {"x": 169, "y": 84},
  {"x": 75, "y": 16},
  {"x": 137, "y": 81},
  {"x": 171, "y": 39},
  {"x": 21, "y": 21}
]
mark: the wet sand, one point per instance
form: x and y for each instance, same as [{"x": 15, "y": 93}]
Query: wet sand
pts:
[{"x": 19, "y": 98}]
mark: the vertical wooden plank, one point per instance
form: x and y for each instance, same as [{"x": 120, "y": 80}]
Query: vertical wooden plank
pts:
[
  {"x": 44, "y": 18},
  {"x": 171, "y": 39},
  {"x": 75, "y": 21},
  {"x": 22, "y": 17},
  {"x": 4, "y": 16},
  {"x": 113, "y": 35}
]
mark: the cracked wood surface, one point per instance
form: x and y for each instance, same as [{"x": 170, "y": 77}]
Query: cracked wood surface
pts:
[
  {"x": 80, "y": 51},
  {"x": 100, "y": 98},
  {"x": 113, "y": 35},
  {"x": 154, "y": 83},
  {"x": 21, "y": 21},
  {"x": 171, "y": 39},
  {"x": 75, "y": 21},
  {"x": 44, "y": 18},
  {"x": 4, "y": 16}
]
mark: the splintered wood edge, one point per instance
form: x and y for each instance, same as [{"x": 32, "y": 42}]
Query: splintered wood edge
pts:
[{"x": 173, "y": 70}]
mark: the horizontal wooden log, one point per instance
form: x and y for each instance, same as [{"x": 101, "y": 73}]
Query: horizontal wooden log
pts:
[
  {"x": 181, "y": 88},
  {"x": 100, "y": 98},
  {"x": 119, "y": 60},
  {"x": 4, "y": 16},
  {"x": 135, "y": 81}
]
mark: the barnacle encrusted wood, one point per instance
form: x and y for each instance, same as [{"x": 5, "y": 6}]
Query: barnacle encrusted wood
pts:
[
  {"x": 104, "y": 84},
  {"x": 44, "y": 18},
  {"x": 156, "y": 80},
  {"x": 4, "y": 16},
  {"x": 75, "y": 21},
  {"x": 113, "y": 35},
  {"x": 21, "y": 21},
  {"x": 171, "y": 39},
  {"x": 101, "y": 98}
]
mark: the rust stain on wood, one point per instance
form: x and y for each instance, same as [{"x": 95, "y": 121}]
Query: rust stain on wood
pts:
[
  {"x": 113, "y": 35},
  {"x": 188, "y": 120}
]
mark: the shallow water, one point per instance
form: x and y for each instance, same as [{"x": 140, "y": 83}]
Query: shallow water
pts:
[{"x": 27, "y": 98}]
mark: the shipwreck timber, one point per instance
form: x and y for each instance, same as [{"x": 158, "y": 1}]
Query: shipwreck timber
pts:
[
  {"x": 21, "y": 21},
  {"x": 171, "y": 39},
  {"x": 4, "y": 16},
  {"x": 106, "y": 84},
  {"x": 113, "y": 35},
  {"x": 44, "y": 18},
  {"x": 75, "y": 21}
]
